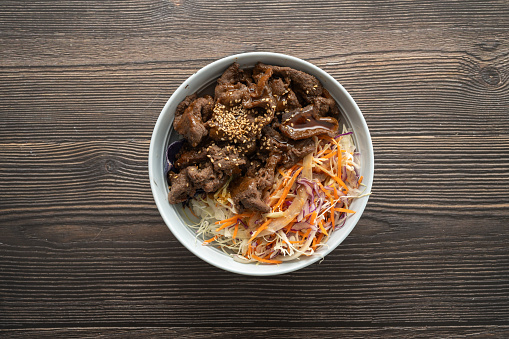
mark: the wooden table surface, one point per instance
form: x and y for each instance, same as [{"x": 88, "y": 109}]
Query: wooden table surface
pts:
[{"x": 84, "y": 251}]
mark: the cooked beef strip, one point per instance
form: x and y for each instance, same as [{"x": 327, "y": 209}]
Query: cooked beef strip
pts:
[
  {"x": 181, "y": 188},
  {"x": 190, "y": 156},
  {"x": 278, "y": 87},
  {"x": 190, "y": 124},
  {"x": 266, "y": 174},
  {"x": 206, "y": 178},
  {"x": 227, "y": 159},
  {"x": 231, "y": 75},
  {"x": 184, "y": 104},
  {"x": 299, "y": 150},
  {"x": 246, "y": 195},
  {"x": 307, "y": 85},
  {"x": 291, "y": 151},
  {"x": 323, "y": 106}
]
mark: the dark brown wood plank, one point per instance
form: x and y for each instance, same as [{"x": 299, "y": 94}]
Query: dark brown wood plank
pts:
[
  {"x": 279, "y": 332},
  {"x": 137, "y": 18}
]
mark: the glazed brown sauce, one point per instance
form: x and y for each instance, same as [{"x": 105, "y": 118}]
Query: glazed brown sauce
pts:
[
  {"x": 304, "y": 120},
  {"x": 303, "y": 123}
]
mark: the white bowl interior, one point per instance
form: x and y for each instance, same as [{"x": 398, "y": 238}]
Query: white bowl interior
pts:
[{"x": 163, "y": 133}]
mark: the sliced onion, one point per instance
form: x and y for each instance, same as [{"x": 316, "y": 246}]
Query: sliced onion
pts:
[
  {"x": 301, "y": 226},
  {"x": 292, "y": 211}
]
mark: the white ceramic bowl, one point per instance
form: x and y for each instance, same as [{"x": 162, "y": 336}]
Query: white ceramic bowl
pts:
[{"x": 163, "y": 132}]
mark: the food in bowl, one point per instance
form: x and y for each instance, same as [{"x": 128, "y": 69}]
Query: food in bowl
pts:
[{"x": 263, "y": 164}]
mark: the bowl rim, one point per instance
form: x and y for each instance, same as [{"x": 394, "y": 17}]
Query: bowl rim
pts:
[{"x": 254, "y": 269}]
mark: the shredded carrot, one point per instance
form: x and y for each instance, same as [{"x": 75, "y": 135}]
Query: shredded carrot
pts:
[
  {"x": 344, "y": 210},
  {"x": 319, "y": 238},
  {"x": 210, "y": 240},
  {"x": 236, "y": 230},
  {"x": 338, "y": 180},
  {"x": 293, "y": 168},
  {"x": 287, "y": 188},
  {"x": 328, "y": 154},
  {"x": 289, "y": 226},
  {"x": 332, "y": 219},
  {"x": 360, "y": 179},
  {"x": 236, "y": 216},
  {"x": 325, "y": 191},
  {"x": 313, "y": 218},
  {"x": 335, "y": 192},
  {"x": 266, "y": 260},
  {"x": 325, "y": 136},
  {"x": 339, "y": 163},
  {"x": 324, "y": 231},
  {"x": 307, "y": 233},
  {"x": 260, "y": 229},
  {"x": 282, "y": 182},
  {"x": 313, "y": 245},
  {"x": 227, "y": 224}
]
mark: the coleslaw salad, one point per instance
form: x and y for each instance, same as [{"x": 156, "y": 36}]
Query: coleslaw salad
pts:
[{"x": 308, "y": 202}]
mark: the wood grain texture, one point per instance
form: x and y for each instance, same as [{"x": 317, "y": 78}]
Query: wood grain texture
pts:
[
  {"x": 85, "y": 253},
  {"x": 286, "y": 332}
]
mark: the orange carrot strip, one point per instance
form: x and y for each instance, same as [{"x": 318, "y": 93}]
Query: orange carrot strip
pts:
[
  {"x": 260, "y": 229},
  {"x": 210, "y": 240},
  {"x": 332, "y": 219},
  {"x": 344, "y": 210},
  {"x": 360, "y": 179},
  {"x": 313, "y": 245},
  {"x": 307, "y": 233},
  {"x": 338, "y": 180},
  {"x": 293, "y": 168},
  {"x": 313, "y": 218},
  {"x": 340, "y": 160},
  {"x": 319, "y": 240},
  {"x": 328, "y": 154},
  {"x": 229, "y": 223},
  {"x": 281, "y": 172},
  {"x": 268, "y": 261},
  {"x": 284, "y": 181},
  {"x": 336, "y": 196},
  {"x": 289, "y": 226},
  {"x": 324, "y": 231},
  {"x": 287, "y": 188},
  {"x": 236, "y": 230},
  {"x": 236, "y": 216},
  {"x": 325, "y": 191}
]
